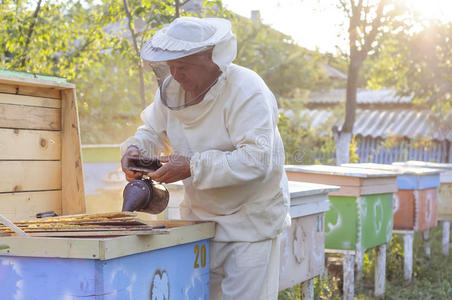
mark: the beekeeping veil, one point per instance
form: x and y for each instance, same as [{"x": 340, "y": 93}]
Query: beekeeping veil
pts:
[{"x": 186, "y": 36}]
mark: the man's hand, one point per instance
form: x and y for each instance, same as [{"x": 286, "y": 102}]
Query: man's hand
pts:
[
  {"x": 176, "y": 168},
  {"x": 132, "y": 151}
]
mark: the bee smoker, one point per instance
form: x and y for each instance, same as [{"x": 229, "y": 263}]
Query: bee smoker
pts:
[{"x": 144, "y": 194}]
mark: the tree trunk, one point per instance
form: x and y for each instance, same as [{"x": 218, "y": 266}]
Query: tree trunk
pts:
[
  {"x": 344, "y": 136},
  {"x": 177, "y": 9},
  {"x": 137, "y": 51}
]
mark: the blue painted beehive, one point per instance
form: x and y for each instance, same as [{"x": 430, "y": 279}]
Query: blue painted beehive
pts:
[{"x": 167, "y": 266}]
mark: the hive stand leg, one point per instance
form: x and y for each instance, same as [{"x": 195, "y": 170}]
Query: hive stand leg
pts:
[
  {"x": 408, "y": 255},
  {"x": 307, "y": 289},
  {"x": 426, "y": 241},
  {"x": 446, "y": 237},
  {"x": 380, "y": 271},
  {"x": 349, "y": 276},
  {"x": 359, "y": 258}
]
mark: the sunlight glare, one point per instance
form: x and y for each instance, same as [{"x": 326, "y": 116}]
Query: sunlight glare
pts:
[{"x": 432, "y": 9}]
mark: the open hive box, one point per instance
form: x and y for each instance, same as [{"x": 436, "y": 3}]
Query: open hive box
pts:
[
  {"x": 114, "y": 256},
  {"x": 40, "y": 163}
]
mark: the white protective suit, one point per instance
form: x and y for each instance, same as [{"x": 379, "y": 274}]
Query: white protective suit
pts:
[{"x": 237, "y": 156}]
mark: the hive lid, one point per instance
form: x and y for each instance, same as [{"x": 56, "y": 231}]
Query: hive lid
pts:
[
  {"x": 309, "y": 198},
  {"x": 352, "y": 181},
  {"x": 398, "y": 169},
  {"x": 302, "y": 189},
  {"x": 408, "y": 178},
  {"x": 32, "y": 75},
  {"x": 444, "y": 168},
  {"x": 341, "y": 171}
]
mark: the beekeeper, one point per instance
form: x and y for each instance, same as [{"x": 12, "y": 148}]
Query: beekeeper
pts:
[{"x": 218, "y": 122}]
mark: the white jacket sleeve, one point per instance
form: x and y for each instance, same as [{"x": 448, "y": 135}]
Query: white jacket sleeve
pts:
[
  {"x": 251, "y": 124},
  {"x": 151, "y": 137}
]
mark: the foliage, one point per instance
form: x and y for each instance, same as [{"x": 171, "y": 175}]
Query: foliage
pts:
[
  {"x": 90, "y": 46},
  {"x": 304, "y": 141},
  {"x": 416, "y": 62},
  {"x": 90, "y": 43},
  {"x": 283, "y": 65}
]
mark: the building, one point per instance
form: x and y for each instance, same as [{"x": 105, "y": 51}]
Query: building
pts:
[{"x": 388, "y": 127}]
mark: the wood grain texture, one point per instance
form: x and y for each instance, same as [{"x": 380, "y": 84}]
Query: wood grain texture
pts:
[
  {"x": 39, "y": 91},
  {"x": 21, "y": 144},
  {"x": 17, "y": 176},
  {"x": 25, "y": 206},
  {"x": 29, "y": 100},
  {"x": 71, "y": 160},
  {"x": 8, "y": 88},
  {"x": 29, "y": 117}
]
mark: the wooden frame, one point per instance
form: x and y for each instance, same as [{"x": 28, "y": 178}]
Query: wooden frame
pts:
[
  {"x": 40, "y": 157},
  {"x": 183, "y": 232}
]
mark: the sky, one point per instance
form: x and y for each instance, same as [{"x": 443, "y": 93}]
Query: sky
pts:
[{"x": 318, "y": 24}]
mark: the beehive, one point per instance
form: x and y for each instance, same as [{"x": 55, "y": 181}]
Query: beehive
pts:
[
  {"x": 360, "y": 214},
  {"x": 40, "y": 160},
  {"x": 445, "y": 188},
  {"x": 416, "y": 201}
]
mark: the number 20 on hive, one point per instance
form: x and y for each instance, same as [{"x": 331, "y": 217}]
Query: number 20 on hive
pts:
[{"x": 200, "y": 256}]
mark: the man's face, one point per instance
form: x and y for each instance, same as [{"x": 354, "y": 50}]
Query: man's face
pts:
[{"x": 192, "y": 72}]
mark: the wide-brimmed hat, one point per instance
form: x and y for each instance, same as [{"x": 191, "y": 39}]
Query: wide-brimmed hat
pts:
[{"x": 189, "y": 35}]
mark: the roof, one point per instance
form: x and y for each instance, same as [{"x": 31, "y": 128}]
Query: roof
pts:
[
  {"x": 385, "y": 123},
  {"x": 332, "y": 72},
  {"x": 364, "y": 96}
]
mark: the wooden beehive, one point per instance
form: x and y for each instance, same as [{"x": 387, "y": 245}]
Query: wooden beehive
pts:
[
  {"x": 303, "y": 243},
  {"x": 415, "y": 202},
  {"x": 40, "y": 160},
  {"x": 360, "y": 214},
  {"x": 445, "y": 188}
]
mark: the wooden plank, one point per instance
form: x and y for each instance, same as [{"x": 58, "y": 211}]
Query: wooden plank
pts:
[
  {"x": 105, "y": 248},
  {"x": 117, "y": 247},
  {"x": 39, "y": 91},
  {"x": 16, "y": 176},
  {"x": 29, "y": 100},
  {"x": 98, "y": 233},
  {"x": 75, "y": 227},
  {"x": 35, "y": 82},
  {"x": 379, "y": 188},
  {"x": 21, "y": 144},
  {"x": 23, "y": 206},
  {"x": 10, "y": 225},
  {"x": 8, "y": 88},
  {"x": 29, "y": 117},
  {"x": 111, "y": 215},
  {"x": 71, "y": 160},
  {"x": 324, "y": 178}
]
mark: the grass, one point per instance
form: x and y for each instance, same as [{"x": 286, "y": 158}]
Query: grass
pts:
[{"x": 432, "y": 276}]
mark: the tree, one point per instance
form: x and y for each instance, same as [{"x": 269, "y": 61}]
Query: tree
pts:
[
  {"x": 283, "y": 65},
  {"x": 87, "y": 44},
  {"x": 416, "y": 62},
  {"x": 367, "y": 22}
]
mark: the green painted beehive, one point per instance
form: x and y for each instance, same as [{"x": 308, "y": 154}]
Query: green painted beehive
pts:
[{"x": 361, "y": 212}]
